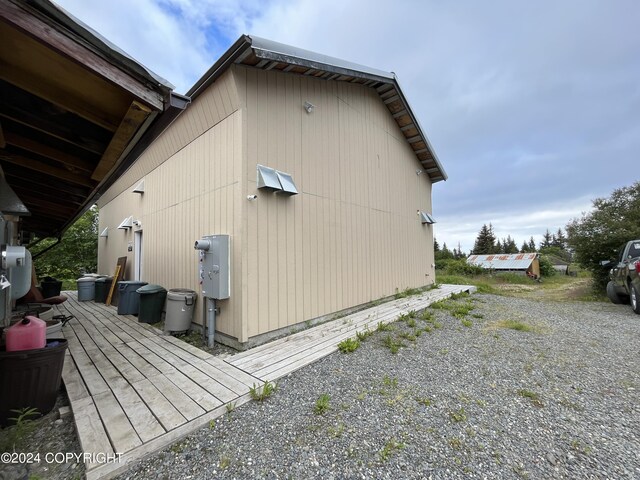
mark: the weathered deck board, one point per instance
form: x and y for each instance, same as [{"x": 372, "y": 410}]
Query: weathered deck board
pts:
[
  {"x": 286, "y": 355},
  {"x": 91, "y": 432},
  {"x": 135, "y": 391},
  {"x": 118, "y": 427}
]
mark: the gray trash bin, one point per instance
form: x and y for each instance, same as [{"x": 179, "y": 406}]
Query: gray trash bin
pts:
[
  {"x": 180, "y": 306},
  {"x": 86, "y": 288},
  {"x": 129, "y": 300}
]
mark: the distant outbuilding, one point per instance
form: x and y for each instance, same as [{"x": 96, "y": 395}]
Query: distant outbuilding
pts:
[
  {"x": 559, "y": 265},
  {"x": 523, "y": 263}
]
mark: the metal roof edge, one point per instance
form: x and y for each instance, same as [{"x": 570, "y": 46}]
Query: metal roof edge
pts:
[
  {"x": 99, "y": 44},
  {"x": 220, "y": 66},
  {"x": 275, "y": 50},
  {"x": 420, "y": 130},
  {"x": 280, "y": 52}
]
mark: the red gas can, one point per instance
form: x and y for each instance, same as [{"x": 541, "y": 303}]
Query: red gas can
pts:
[{"x": 29, "y": 334}]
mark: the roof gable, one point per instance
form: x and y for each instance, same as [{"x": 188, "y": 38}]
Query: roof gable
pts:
[{"x": 265, "y": 54}]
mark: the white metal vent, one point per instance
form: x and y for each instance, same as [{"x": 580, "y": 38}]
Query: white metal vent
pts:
[
  {"x": 126, "y": 223},
  {"x": 276, "y": 181},
  {"x": 268, "y": 179},
  {"x": 139, "y": 188},
  {"x": 105, "y": 232},
  {"x": 286, "y": 182},
  {"x": 426, "y": 218}
]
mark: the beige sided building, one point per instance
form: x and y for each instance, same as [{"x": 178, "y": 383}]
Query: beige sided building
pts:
[{"x": 353, "y": 233}]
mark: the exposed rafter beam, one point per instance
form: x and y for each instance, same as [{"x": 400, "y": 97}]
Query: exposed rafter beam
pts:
[
  {"x": 136, "y": 115},
  {"x": 42, "y": 167},
  {"x": 46, "y": 151},
  {"x": 65, "y": 99}
]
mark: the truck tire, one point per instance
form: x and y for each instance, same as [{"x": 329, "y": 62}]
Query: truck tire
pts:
[
  {"x": 614, "y": 296},
  {"x": 635, "y": 299}
]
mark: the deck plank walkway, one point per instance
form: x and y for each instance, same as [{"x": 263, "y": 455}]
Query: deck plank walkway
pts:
[{"x": 135, "y": 391}]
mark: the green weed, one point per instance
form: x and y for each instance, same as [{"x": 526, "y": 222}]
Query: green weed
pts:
[
  {"x": 458, "y": 415},
  {"x": 261, "y": 393},
  {"x": 390, "y": 448},
  {"x": 349, "y": 345},
  {"x": 322, "y": 404}
]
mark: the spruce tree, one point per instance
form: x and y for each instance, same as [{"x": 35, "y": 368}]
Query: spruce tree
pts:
[{"x": 485, "y": 241}]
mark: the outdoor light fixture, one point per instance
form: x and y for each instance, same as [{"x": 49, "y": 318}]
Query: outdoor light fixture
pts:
[
  {"x": 419, "y": 172},
  {"x": 308, "y": 106},
  {"x": 126, "y": 224},
  {"x": 105, "y": 232}
]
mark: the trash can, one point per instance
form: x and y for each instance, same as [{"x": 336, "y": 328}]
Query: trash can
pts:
[
  {"x": 152, "y": 299},
  {"x": 103, "y": 285},
  {"x": 180, "y": 307},
  {"x": 30, "y": 378},
  {"x": 129, "y": 300},
  {"x": 50, "y": 287},
  {"x": 86, "y": 289}
]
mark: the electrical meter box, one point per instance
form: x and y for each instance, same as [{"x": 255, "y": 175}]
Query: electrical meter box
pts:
[{"x": 214, "y": 266}]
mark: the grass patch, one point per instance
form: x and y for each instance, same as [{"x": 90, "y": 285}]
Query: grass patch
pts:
[
  {"x": 391, "y": 447},
  {"x": 458, "y": 416},
  {"x": 407, "y": 292},
  {"x": 467, "y": 323},
  {"x": 322, "y": 404},
  {"x": 393, "y": 344},
  {"x": 427, "y": 316},
  {"x": 224, "y": 463},
  {"x": 532, "y": 396},
  {"x": 261, "y": 393},
  {"x": 15, "y": 436},
  {"x": 349, "y": 345},
  {"x": 426, "y": 401},
  {"x": 384, "y": 327},
  {"x": 517, "y": 325},
  {"x": 364, "y": 334}
]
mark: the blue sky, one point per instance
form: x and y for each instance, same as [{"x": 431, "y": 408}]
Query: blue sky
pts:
[{"x": 532, "y": 107}]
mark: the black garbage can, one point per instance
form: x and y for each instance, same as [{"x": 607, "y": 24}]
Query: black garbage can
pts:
[
  {"x": 30, "y": 378},
  {"x": 50, "y": 287},
  {"x": 129, "y": 300},
  {"x": 152, "y": 299},
  {"x": 103, "y": 285}
]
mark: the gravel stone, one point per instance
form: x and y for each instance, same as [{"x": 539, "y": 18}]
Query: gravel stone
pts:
[
  {"x": 476, "y": 401},
  {"x": 458, "y": 402}
]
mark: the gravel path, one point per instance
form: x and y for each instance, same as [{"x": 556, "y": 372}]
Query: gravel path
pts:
[{"x": 470, "y": 399}]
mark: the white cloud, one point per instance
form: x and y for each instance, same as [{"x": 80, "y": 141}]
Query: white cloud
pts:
[{"x": 531, "y": 106}]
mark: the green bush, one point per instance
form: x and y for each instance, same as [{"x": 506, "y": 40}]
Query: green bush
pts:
[
  {"x": 458, "y": 267},
  {"x": 546, "y": 267}
]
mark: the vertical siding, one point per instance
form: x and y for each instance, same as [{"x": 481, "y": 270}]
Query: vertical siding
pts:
[
  {"x": 352, "y": 235},
  {"x": 210, "y": 108},
  {"x": 195, "y": 190}
]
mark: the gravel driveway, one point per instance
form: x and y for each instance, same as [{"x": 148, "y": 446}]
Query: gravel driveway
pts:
[{"x": 467, "y": 398}]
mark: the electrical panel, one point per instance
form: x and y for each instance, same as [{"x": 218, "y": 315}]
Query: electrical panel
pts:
[{"x": 215, "y": 278}]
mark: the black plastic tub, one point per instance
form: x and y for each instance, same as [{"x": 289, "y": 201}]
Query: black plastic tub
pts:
[{"x": 30, "y": 379}]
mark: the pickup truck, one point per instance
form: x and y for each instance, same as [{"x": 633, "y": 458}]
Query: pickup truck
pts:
[{"x": 624, "y": 277}]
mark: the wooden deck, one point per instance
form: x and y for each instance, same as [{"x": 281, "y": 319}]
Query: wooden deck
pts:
[{"x": 135, "y": 391}]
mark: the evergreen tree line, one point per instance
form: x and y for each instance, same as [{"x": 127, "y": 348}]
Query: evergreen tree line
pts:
[{"x": 487, "y": 243}]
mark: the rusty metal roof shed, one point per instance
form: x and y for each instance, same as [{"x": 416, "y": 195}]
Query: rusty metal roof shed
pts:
[{"x": 516, "y": 261}]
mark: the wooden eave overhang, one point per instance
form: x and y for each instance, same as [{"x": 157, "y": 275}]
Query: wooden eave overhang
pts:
[{"x": 73, "y": 108}]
